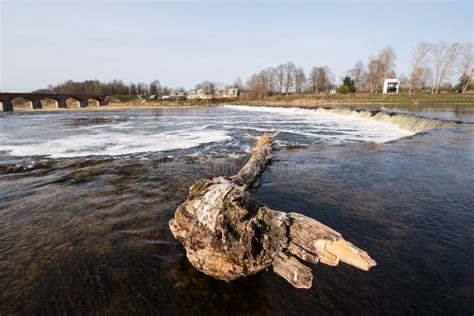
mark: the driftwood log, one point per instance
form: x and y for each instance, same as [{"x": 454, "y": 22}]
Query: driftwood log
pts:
[{"x": 227, "y": 234}]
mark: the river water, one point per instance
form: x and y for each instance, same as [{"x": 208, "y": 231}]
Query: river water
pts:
[{"x": 86, "y": 196}]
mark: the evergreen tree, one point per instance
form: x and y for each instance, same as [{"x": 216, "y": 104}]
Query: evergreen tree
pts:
[
  {"x": 344, "y": 89},
  {"x": 349, "y": 83}
]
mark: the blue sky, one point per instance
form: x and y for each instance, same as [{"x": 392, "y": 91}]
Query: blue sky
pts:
[{"x": 183, "y": 43}]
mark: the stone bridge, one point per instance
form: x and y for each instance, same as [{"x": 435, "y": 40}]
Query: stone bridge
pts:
[{"x": 59, "y": 98}]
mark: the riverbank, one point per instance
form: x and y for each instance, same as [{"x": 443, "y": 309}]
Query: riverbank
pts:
[
  {"x": 120, "y": 106},
  {"x": 366, "y": 99},
  {"x": 402, "y": 100},
  {"x": 357, "y": 99}
]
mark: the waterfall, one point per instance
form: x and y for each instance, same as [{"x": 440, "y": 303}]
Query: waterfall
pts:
[
  {"x": 410, "y": 122},
  {"x": 407, "y": 121}
]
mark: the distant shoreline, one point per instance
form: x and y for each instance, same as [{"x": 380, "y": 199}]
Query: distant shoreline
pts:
[
  {"x": 114, "y": 106},
  {"x": 433, "y": 101},
  {"x": 355, "y": 103}
]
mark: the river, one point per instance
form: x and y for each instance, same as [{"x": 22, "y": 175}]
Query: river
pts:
[{"x": 86, "y": 196}]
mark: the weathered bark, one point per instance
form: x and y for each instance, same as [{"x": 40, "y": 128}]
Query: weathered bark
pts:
[{"x": 227, "y": 234}]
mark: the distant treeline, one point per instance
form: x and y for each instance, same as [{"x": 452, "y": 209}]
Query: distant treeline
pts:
[
  {"x": 114, "y": 87},
  {"x": 432, "y": 67}
]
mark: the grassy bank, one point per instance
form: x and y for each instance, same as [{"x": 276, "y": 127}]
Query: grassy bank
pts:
[
  {"x": 133, "y": 101},
  {"x": 357, "y": 99},
  {"x": 367, "y": 99},
  {"x": 402, "y": 100}
]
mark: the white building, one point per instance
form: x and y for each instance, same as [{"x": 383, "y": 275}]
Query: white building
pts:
[
  {"x": 218, "y": 94},
  {"x": 233, "y": 93},
  {"x": 391, "y": 86},
  {"x": 176, "y": 95},
  {"x": 198, "y": 94}
]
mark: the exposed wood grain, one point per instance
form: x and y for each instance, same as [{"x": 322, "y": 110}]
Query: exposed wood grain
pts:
[{"x": 227, "y": 234}]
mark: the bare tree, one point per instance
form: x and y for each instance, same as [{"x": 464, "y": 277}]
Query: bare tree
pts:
[
  {"x": 260, "y": 85},
  {"x": 155, "y": 87},
  {"x": 444, "y": 56},
  {"x": 467, "y": 64},
  {"x": 166, "y": 90},
  {"x": 425, "y": 80},
  {"x": 142, "y": 88},
  {"x": 371, "y": 76},
  {"x": 133, "y": 89},
  {"x": 404, "y": 83},
  {"x": 386, "y": 64},
  {"x": 207, "y": 87},
  {"x": 279, "y": 77},
  {"x": 320, "y": 79},
  {"x": 379, "y": 68},
  {"x": 271, "y": 80},
  {"x": 357, "y": 74},
  {"x": 419, "y": 57},
  {"x": 300, "y": 79},
  {"x": 289, "y": 76},
  {"x": 238, "y": 83}
]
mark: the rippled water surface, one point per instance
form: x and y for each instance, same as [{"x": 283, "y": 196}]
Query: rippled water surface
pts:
[
  {"x": 78, "y": 134},
  {"x": 86, "y": 196}
]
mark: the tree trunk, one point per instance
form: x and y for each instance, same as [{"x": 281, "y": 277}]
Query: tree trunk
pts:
[
  {"x": 466, "y": 83},
  {"x": 464, "y": 87},
  {"x": 227, "y": 234}
]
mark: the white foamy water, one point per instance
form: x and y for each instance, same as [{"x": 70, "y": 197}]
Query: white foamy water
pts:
[
  {"x": 196, "y": 131},
  {"x": 114, "y": 144},
  {"x": 348, "y": 128}
]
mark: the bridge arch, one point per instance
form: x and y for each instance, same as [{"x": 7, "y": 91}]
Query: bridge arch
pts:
[
  {"x": 73, "y": 102},
  {"x": 22, "y": 103},
  {"x": 93, "y": 102},
  {"x": 48, "y": 102},
  {"x": 58, "y": 100}
]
